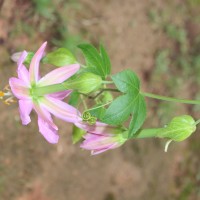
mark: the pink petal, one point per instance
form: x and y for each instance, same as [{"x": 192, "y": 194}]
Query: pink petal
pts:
[
  {"x": 15, "y": 57},
  {"x": 100, "y": 142},
  {"x": 60, "y": 109},
  {"x": 35, "y": 62},
  {"x": 60, "y": 95},
  {"x": 23, "y": 74},
  {"x": 98, "y": 151},
  {"x": 49, "y": 133},
  {"x": 25, "y": 107},
  {"x": 59, "y": 75},
  {"x": 98, "y": 128},
  {"x": 19, "y": 88},
  {"x": 22, "y": 58},
  {"x": 95, "y": 152},
  {"x": 44, "y": 115}
]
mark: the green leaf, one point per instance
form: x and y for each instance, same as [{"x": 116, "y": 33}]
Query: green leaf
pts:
[
  {"x": 60, "y": 57},
  {"x": 119, "y": 110},
  {"x": 139, "y": 115},
  {"x": 96, "y": 63},
  {"x": 74, "y": 97},
  {"x": 127, "y": 82},
  {"x": 132, "y": 102},
  {"x": 77, "y": 134},
  {"x": 98, "y": 111},
  {"x": 105, "y": 97},
  {"x": 179, "y": 128},
  {"x": 105, "y": 59}
]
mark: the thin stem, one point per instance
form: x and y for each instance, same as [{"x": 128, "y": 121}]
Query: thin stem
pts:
[
  {"x": 176, "y": 100},
  {"x": 147, "y": 133},
  {"x": 100, "y": 106},
  {"x": 107, "y": 82},
  {"x": 83, "y": 101},
  {"x": 103, "y": 90},
  {"x": 197, "y": 122}
]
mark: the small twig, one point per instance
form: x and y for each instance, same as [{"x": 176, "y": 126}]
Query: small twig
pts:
[{"x": 103, "y": 90}]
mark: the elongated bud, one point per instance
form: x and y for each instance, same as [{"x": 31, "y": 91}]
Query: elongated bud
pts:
[
  {"x": 85, "y": 83},
  {"x": 178, "y": 129}
]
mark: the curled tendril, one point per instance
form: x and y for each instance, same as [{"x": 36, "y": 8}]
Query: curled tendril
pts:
[
  {"x": 86, "y": 116},
  {"x": 92, "y": 120}
]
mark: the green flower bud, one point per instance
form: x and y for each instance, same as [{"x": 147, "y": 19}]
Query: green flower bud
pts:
[
  {"x": 85, "y": 83},
  {"x": 178, "y": 129},
  {"x": 77, "y": 134},
  {"x": 106, "y": 97},
  {"x": 60, "y": 57}
]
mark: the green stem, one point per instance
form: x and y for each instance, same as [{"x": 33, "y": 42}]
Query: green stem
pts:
[
  {"x": 83, "y": 101},
  {"x": 103, "y": 90},
  {"x": 197, "y": 122},
  {"x": 107, "y": 82},
  {"x": 176, "y": 100},
  {"x": 99, "y": 106},
  {"x": 147, "y": 133}
]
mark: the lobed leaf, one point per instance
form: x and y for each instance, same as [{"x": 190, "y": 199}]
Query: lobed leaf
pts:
[
  {"x": 127, "y": 82},
  {"x": 119, "y": 110},
  {"x": 105, "y": 59},
  {"x": 139, "y": 115},
  {"x": 96, "y": 63}
]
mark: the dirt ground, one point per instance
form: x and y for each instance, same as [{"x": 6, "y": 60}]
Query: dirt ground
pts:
[{"x": 32, "y": 169}]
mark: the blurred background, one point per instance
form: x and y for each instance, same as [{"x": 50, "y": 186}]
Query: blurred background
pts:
[{"x": 160, "y": 41}]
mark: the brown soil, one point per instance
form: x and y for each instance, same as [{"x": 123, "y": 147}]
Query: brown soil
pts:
[{"x": 32, "y": 169}]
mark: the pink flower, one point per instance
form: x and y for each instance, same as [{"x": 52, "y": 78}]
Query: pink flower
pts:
[
  {"x": 24, "y": 86},
  {"x": 101, "y": 137}
]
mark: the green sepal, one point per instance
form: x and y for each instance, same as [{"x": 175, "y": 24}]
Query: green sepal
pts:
[
  {"x": 77, "y": 134},
  {"x": 74, "y": 97},
  {"x": 29, "y": 58},
  {"x": 84, "y": 83},
  {"x": 60, "y": 57}
]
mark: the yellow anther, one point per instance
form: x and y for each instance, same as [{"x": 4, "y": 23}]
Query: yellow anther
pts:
[{"x": 2, "y": 94}]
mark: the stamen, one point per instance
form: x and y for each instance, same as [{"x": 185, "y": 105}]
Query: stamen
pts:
[
  {"x": 1, "y": 94},
  {"x": 8, "y": 94},
  {"x": 9, "y": 101},
  {"x": 7, "y": 88}
]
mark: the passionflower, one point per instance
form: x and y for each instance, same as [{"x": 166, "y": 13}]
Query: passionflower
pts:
[
  {"x": 101, "y": 137},
  {"x": 25, "y": 89}
]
